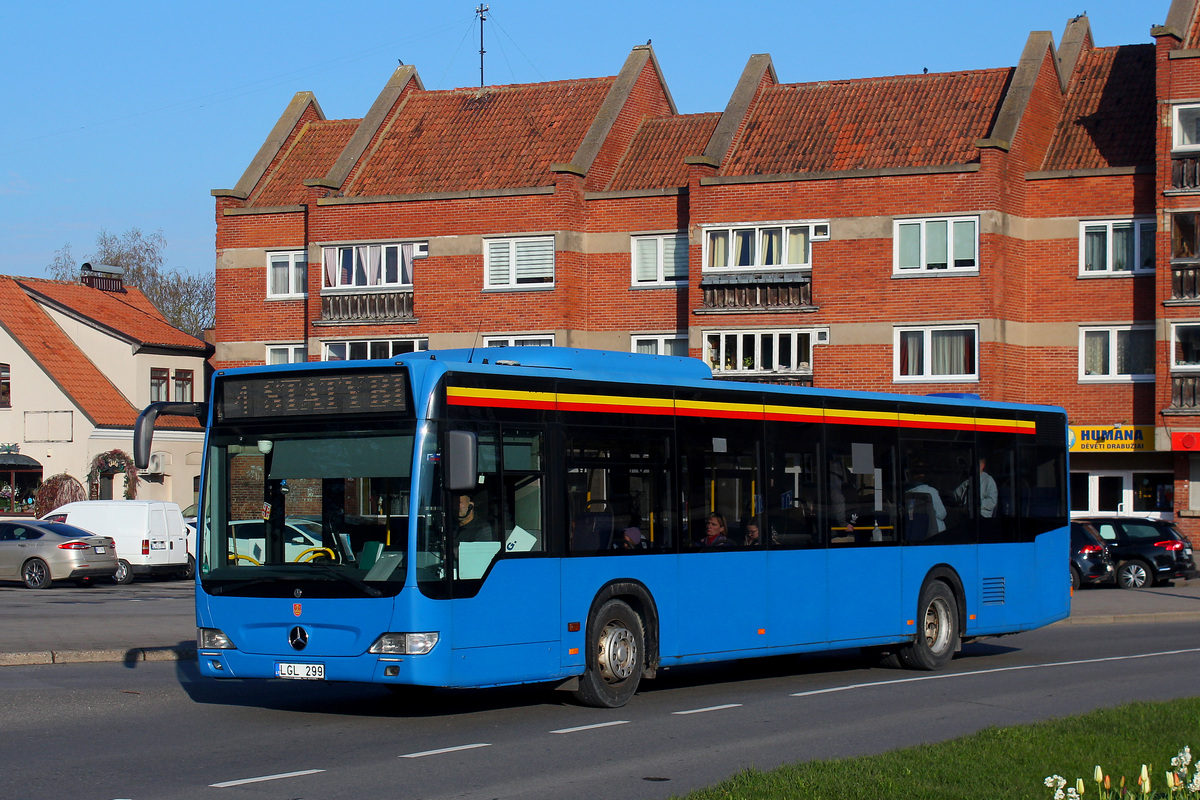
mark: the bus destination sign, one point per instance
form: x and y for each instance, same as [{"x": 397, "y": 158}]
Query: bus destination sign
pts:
[{"x": 312, "y": 395}]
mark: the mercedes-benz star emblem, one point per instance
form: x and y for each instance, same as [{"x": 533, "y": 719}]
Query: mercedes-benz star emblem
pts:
[
  {"x": 298, "y": 593},
  {"x": 298, "y": 638}
]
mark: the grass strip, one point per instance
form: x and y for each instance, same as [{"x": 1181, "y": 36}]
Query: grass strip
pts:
[{"x": 995, "y": 763}]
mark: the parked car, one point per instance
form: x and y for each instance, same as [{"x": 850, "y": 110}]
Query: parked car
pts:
[
  {"x": 1091, "y": 561},
  {"x": 150, "y": 534},
  {"x": 37, "y": 553},
  {"x": 302, "y": 542},
  {"x": 1146, "y": 551}
]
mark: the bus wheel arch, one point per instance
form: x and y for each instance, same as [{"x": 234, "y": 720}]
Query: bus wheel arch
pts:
[
  {"x": 940, "y": 620},
  {"x": 621, "y": 644}
]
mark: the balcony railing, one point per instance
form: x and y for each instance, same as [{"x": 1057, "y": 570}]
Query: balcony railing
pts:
[
  {"x": 776, "y": 291},
  {"x": 1185, "y": 172},
  {"x": 1185, "y": 391},
  {"x": 1185, "y": 281},
  {"x": 374, "y": 306}
]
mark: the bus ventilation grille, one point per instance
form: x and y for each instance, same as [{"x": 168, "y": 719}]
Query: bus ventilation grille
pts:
[{"x": 993, "y": 591}]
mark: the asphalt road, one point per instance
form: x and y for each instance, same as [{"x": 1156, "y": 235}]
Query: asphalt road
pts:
[{"x": 141, "y": 729}]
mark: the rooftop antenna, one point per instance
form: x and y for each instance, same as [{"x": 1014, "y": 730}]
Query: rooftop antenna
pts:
[{"x": 481, "y": 11}]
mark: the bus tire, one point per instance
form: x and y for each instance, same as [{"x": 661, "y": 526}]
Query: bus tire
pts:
[
  {"x": 616, "y": 656},
  {"x": 938, "y": 632}
]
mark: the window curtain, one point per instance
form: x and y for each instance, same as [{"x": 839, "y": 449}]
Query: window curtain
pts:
[
  {"x": 718, "y": 248},
  {"x": 912, "y": 353},
  {"x": 645, "y": 260},
  {"x": 1123, "y": 247},
  {"x": 498, "y": 263},
  {"x": 1135, "y": 352},
  {"x": 953, "y": 352},
  {"x": 1095, "y": 248},
  {"x": 1095, "y": 353},
  {"x": 330, "y": 271},
  {"x": 743, "y": 248},
  {"x": 374, "y": 264},
  {"x": 675, "y": 258},
  {"x": 406, "y": 263},
  {"x": 797, "y": 246},
  {"x": 647, "y": 346},
  {"x": 772, "y": 247},
  {"x": 300, "y": 272},
  {"x": 279, "y": 274},
  {"x": 535, "y": 260}
]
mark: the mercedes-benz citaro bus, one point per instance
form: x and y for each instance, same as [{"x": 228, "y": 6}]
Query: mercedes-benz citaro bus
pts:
[{"x": 583, "y": 519}]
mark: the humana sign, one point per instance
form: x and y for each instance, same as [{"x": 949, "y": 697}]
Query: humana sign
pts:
[{"x": 1108, "y": 437}]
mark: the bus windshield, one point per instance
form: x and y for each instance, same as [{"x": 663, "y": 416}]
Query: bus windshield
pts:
[{"x": 329, "y": 509}]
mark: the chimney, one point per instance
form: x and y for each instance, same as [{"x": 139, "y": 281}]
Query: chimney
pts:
[{"x": 105, "y": 277}]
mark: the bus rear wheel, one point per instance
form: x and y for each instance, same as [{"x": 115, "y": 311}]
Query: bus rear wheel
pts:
[
  {"x": 938, "y": 633},
  {"x": 616, "y": 645}
]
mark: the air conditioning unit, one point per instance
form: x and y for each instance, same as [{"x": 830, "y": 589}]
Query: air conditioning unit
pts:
[{"x": 156, "y": 464}]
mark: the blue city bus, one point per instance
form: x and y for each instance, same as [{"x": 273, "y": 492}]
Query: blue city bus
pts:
[{"x": 583, "y": 519}]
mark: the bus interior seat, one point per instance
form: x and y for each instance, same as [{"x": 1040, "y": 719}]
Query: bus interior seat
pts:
[
  {"x": 919, "y": 522},
  {"x": 593, "y": 531}
]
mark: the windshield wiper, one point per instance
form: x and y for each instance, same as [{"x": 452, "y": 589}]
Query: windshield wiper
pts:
[{"x": 363, "y": 586}]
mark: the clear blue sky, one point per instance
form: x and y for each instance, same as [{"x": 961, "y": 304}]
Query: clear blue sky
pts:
[{"x": 128, "y": 113}]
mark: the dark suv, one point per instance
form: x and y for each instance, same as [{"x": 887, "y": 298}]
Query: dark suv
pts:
[
  {"x": 1091, "y": 561},
  {"x": 1146, "y": 551}
]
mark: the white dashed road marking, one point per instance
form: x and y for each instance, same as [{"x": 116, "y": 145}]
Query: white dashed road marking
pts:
[
  {"x": 424, "y": 753},
  {"x": 592, "y": 727},
  {"x": 280, "y": 776},
  {"x": 710, "y": 708}
]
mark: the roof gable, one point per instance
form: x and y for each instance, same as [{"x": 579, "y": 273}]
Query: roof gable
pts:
[
  {"x": 496, "y": 137},
  {"x": 654, "y": 159},
  {"x": 875, "y": 123},
  {"x": 310, "y": 155},
  {"x": 63, "y": 362},
  {"x": 1108, "y": 116}
]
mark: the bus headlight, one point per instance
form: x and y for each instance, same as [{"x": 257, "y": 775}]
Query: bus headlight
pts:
[
  {"x": 404, "y": 644},
  {"x": 213, "y": 639}
]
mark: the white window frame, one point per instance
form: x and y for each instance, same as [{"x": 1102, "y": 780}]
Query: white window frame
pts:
[
  {"x": 1183, "y": 117},
  {"x": 297, "y": 274},
  {"x": 530, "y": 340},
  {"x": 753, "y": 233},
  {"x": 1112, "y": 376},
  {"x": 663, "y": 344},
  {"x": 1140, "y": 226},
  {"x": 294, "y": 353},
  {"x": 660, "y": 278},
  {"x": 1175, "y": 350},
  {"x": 742, "y": 351},
  {"x": 359, "y": 257},
  {"x": 512, "y": 245},
  {"x": 390, "y": 347},
  {"x": 927, "y": 375},
  {"x": 922, "y": 265}
]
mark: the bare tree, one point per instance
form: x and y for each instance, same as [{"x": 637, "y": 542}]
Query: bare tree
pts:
[{"x": 187, "y": 301}]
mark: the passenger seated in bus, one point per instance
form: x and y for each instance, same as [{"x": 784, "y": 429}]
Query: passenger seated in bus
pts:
[
  {"x": 471, "y": 527},
  {"x": 631, "y": 539},
  {"x": 716, "y": 532},
  {"x": 917, "y": 485},
  {"x": 989, "y": 494}
]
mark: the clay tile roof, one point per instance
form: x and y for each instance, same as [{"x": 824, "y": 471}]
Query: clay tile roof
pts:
[
  {"x": 1108, "y": 116},
  {"x": 311, "y": 154},
  {"x": 1192, "y": 40},
  {"x": 654, "y": 159},
  {"x": 61, "y": 360},
  {"x": 128, "y": 314},
  {"x": 476, "y": 139},
  {"x": 875, "y": 123}
]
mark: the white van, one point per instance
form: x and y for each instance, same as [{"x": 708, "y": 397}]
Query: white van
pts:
[{"x": 150, "y": 535}]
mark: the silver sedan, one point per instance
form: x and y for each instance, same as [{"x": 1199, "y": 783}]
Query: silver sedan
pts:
[{"x": 37, "y": 553}]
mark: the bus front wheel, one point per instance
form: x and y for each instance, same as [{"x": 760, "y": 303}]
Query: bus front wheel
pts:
[
  {"x": 938, "y": 633},
  {"x": 616, "y": 655}
]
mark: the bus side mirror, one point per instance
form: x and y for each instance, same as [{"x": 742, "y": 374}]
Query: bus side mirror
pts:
[{"x": 459, "y": 460}]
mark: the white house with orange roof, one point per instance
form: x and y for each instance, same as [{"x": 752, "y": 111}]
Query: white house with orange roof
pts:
[{"x": 78, "y": 362}]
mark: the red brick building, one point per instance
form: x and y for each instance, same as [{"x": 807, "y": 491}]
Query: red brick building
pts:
[{"x": 1028, "y": 233}]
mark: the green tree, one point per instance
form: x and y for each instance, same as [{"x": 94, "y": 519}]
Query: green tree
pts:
[{"x": 187, "y": 301}]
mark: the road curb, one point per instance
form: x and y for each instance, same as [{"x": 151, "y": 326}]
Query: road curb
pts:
[
  {"x": 1131, "y": 619},
  {"x": 130, "y": 655}
]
